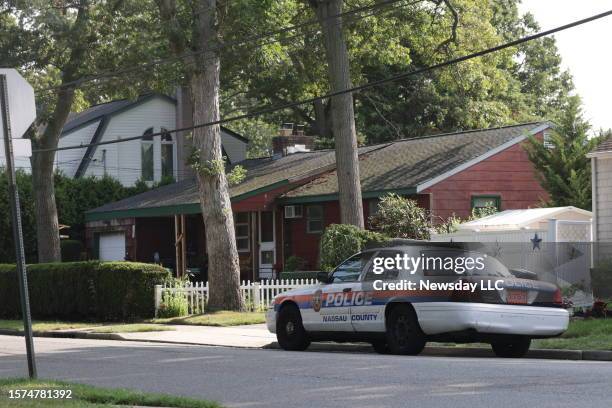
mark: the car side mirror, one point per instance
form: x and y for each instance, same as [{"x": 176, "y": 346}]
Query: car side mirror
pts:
[{"x": 323, "y": 277}]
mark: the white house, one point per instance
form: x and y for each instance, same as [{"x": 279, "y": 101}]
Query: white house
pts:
[
  {"x": 601, "y": 179},
  {"x": 149, "y": 159}
]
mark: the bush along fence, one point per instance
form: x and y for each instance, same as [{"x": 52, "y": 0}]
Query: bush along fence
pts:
[
  {"x": 101, "y": 291},
  {"x": 173, "y": 300}
]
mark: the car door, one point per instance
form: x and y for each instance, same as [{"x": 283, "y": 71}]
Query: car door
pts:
[
  {"x": 368, "y": 309},
  {"x": 331, "y": 303}
]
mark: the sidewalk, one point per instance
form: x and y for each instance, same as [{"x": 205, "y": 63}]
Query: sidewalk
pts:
[{"x": 250, "y": 336}]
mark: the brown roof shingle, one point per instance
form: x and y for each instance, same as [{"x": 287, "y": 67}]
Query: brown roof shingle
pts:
[{"x": 390, "y": 166}]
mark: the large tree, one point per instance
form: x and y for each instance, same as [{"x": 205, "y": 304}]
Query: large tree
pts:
[
  {"x": 515, "y": 85},
  {"x": 563, "y": 167},
  {"x": 193, "y": 31},
  {"x": 342, "y": 113},
  {"x": 55, "y": 45}
]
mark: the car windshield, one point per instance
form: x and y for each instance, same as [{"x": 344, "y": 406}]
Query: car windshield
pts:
[{"x": 349, "y": 270}]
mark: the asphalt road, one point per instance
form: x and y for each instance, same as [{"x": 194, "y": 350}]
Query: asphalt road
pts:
[{"x": 274, "y": 378}]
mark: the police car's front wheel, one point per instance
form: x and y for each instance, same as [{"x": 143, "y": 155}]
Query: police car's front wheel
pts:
[
  {"x": 290, "y": 332},
  {"x": 404, "y": 335}
]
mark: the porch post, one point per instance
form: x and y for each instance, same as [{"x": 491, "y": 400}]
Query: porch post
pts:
[
  {"x": 183, "y": 246},
  {"x": 179, "y": 244}
]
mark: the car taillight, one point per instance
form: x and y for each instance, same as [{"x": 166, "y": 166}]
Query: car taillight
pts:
[{"x": 557, "y": 298}]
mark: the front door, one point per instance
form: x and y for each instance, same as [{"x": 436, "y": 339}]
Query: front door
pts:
[{"x": 267, "y": 244}]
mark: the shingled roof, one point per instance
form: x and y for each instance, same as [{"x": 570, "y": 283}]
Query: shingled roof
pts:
[
  {"x": 603, "y": 146},
  {"x": 411, "y": 163},
  {"x": 97, "y": 112},
  {"x": 400, "y": 165}
]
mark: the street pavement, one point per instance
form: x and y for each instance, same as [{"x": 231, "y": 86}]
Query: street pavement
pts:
[{"x": 273, "y": 378}]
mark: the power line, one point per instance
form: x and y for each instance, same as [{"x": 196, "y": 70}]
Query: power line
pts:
[
  {"x": 243, "y": 41},
  {"x": 356, "y": 88}
]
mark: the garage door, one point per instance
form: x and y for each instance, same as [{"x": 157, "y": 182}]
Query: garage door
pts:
[{"x": 112, "y": 246}]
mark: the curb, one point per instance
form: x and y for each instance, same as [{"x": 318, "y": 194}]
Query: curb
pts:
[
  {"x": 65, "y": 334},
  {"x": 549, "y": 354}
]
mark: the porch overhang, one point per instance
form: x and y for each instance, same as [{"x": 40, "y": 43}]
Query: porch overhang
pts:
[{"x": 171, "y": 210}]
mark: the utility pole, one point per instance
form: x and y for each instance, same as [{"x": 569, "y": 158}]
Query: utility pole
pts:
[{"x": 16, "y": 221}]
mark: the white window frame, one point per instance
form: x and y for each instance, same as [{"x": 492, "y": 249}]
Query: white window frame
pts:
[
  {"x": 161, "y": 154},
  {"x": 150, "y": 143},
  {"x": 310, "y": 218}
]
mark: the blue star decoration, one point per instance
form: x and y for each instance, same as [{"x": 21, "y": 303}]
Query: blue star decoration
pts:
[{"x": 536, "y": 241}]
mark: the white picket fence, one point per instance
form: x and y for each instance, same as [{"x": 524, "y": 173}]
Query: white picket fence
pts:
[{"x": 257, "y": 295}]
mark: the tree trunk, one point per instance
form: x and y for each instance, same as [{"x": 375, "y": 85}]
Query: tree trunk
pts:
[
  {"x": 343, "y": 116},
  {"x": 47, "y": 225},
  {"x": 323, "y": 119},
  {"x": 223, "y": 264}
]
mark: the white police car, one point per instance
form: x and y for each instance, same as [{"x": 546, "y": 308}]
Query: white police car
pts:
[{"x": 356, "y": 302}]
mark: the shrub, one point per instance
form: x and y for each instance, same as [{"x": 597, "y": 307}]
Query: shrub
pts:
[
  {"x": 299, "y": 275},
  {"x": 339, "y": 241},
  {"x": 175, "y": 304},
  {"x": 84, "y": 290},
  {"x": 73, "y": 197},
  {"x": 71, "y": 250},
  {"x": 399, "y": 217},
  {"x": 294, "y": 263}
]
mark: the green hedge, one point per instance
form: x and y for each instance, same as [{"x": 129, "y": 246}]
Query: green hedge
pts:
[
  {"x": 299, "y": 275},
  {"x": 339, "y": 241},
  {"x": 103, "y": 291},
  {"x": 71, "y": 250}
]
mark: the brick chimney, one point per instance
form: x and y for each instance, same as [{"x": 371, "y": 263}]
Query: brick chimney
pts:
[{"x": 291, "y": 139}]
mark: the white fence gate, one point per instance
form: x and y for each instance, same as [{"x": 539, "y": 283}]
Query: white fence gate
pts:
[{"x": 257, "y": 295}]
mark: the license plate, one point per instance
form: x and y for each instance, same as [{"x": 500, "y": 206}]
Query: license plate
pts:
[{"x": 516, "y": 297}]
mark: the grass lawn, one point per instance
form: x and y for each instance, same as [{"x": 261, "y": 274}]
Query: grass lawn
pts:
[
  {"x": 221, "y": 318},
  {"x": 87, "y": 396},
  {"x": 96, "y": 327},
  {"x": 44, "y": 325},
  {"x": 591, "y": 334},
  {"x": 131, "y": 328}
]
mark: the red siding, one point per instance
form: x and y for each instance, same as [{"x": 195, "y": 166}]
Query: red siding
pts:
[
  {"x": 305, "y": 245},
  {"x": 508, "y": 174}
]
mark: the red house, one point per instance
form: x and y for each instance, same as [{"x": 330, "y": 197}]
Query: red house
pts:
[{"x": 285, "y": 201}]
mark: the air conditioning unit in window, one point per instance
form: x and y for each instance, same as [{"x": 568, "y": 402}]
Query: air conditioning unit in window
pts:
[{"x": 293, "y": 211}]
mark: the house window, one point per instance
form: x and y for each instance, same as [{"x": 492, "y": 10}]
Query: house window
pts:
[
  {"x": 373, "y": 207},
  {"x": 314, "y": 219},
  {"x": 146, "y": 156},
  {"x": 482, "y": 201},
  {"x": 167, "y": 155},
  {"x": 241, "y": 225}
]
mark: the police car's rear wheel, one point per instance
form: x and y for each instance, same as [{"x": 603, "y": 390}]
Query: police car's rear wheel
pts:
[
  {"x": 404, "y": 335},
  {"x": 290, "y": 332},
  {"x": 511, "y": 347}
]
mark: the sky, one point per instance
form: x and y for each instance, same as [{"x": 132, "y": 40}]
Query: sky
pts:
[{"x": 585, "y": 51}]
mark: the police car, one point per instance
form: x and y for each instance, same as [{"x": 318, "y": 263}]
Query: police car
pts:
[{"x": 358, "y": 302}]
